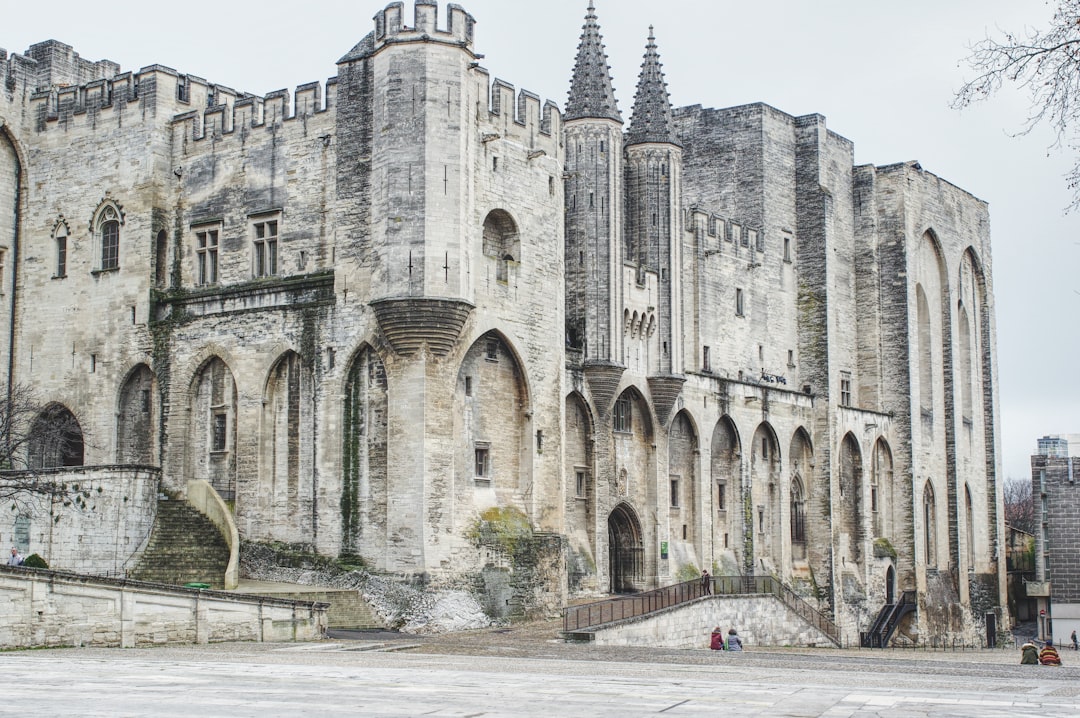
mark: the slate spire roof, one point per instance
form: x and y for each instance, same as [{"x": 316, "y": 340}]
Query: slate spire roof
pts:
[
  {"x": 651, "y": 120},
  {"x": 591, "y": 92}
]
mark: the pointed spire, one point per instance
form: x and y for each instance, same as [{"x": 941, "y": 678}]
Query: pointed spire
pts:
[
  {"x": 591, "y": 91},
  {"x": 651, "y": 120}
]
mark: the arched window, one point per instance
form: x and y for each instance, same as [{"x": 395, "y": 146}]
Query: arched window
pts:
[
  {"x": 930, "y": 525},
  {"x": 106, "y": 225},
  {"x": 501, "y": 241},
  {"x": 60, "y": 241},
  {"x": 798, "y": 511}
]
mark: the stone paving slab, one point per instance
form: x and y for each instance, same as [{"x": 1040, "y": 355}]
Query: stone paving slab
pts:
[{"x": 476, "y": 675}]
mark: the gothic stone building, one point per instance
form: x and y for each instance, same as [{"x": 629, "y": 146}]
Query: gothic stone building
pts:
[{"x": 371, "y": 311}]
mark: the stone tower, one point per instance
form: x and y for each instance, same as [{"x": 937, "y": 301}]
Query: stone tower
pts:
[
  {"x": 594, "y": 169},
  {"x": 652, "y": 228}
]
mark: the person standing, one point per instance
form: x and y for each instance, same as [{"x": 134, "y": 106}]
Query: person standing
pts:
[
  {"x": 706, "y": 585},
  {"x": 1073, "y": 638},
  {"x": 16, "y": 559}
]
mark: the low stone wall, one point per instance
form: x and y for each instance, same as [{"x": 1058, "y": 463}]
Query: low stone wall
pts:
[
  {"x": 104, "y": 537},
  {"x": 40, "y": 608},
  {"x": 761, "y": 620}
]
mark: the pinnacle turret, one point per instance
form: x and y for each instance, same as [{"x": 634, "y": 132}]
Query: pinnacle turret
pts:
[
  {"x": 591, "y": 91},
  {"x": 651, "y": 120}
]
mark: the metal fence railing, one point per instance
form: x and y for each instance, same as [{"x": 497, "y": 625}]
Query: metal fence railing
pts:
[{"x": 591, "y": 615}]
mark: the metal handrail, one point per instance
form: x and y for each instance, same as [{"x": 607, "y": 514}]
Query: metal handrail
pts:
[{"x": 598, "y": 613}]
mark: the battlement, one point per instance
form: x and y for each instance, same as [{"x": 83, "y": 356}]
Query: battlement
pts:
[
  {"x": 390, "y": 24},
  {"x": 717, "y": 234},
  {"x": 232, "y": 112},
  {"x": 208, "y": 107},
  {"x": 515, "y": 114}
]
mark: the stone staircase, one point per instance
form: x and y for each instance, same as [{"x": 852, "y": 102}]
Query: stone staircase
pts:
[{"x": 184, "y": 547}]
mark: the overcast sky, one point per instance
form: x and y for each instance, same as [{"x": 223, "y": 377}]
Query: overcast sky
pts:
[{"x": 882, "y": 73}]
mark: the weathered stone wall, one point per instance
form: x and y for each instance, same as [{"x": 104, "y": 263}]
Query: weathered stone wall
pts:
[
  {"x": 43, "y": 609},
  {"x": 104, "y": 536},
  {"x": 424, "y": 211}
]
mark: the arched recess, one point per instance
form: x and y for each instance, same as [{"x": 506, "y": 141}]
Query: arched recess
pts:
[
  {"x": 969, "y": 525},
  {"x": 626, "y": 553},
  {"x": 105, "y": 227},
  {"x": 363, "y": 458},
  {"x": 930, "y": 526},
  {"x": 578, "y": 468},
  {"x": 925, "y": 356},
  {"x": 983, "y": 474},
  {"x": 801, "y": 463},
  {"x": 55, "y": 439},
  {"x": 883, "y": 492},
  {"x": 632, "y": 437},
  {"x": 965, "y": 369},
  {"x": 683, "y": 497},
  {"x": 851, "y": 499},
  {"x": 10, "y": 181},
  {"x": 501, "y": 242},
  {"x": 136, "y": 418},
  {"x": 769, "y": 497},
  {"x": 725, "y": 475},
  {"x": 491, "y": 423},
  {"x": 161, "y": 259},
  {"x": 212, "y": 427},
  {"x": 284, "y": 503}
]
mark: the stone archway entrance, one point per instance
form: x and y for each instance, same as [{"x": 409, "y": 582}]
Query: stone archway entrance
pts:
[{"x": 626, "y": 556}]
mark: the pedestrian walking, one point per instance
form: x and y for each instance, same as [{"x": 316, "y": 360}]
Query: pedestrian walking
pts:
[{"x": 706, "y": 585}]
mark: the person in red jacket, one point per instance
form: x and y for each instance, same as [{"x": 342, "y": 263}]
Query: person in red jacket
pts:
[{"x": 1048, "y": 656}]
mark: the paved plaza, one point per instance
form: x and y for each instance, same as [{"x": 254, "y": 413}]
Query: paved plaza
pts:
[{"x": 524, "y": 672}]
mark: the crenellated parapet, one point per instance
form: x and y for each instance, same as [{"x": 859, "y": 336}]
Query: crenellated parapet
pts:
[
  {"x": 517, "y": 115},
  {"x": 718, "y": 234},
  {"x": 391, "y": 25},
  {"x": 233, "y": 112}
]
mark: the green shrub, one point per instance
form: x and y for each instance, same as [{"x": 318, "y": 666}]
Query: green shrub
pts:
[{"x": 35, "y": 561}]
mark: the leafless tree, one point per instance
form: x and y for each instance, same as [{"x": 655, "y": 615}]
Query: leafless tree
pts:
[
  {"x": 1019, "y": 505},
  {"x": 36, "y": 439},
  {"x": 1044, "y": 63}
]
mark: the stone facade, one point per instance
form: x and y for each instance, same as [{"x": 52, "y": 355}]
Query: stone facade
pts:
[
  {"x": 1057, "y": 544},
  {"x": 373, "y": 309}
]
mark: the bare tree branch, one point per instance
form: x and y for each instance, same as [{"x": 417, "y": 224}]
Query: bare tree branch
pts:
[
  {"x": 1019, "y": 505},
  {"x": 1045, "y": 64},
  {"x": 36, "y": 441}
]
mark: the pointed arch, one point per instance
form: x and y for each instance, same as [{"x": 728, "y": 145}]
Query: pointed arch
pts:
[
  {"x": 211, "y": 427},
  {"x": 851, "y": 498},
  {"x": 364, "y": 497},
  {"x": 930, "y": 527},
  {"x": 137, "y": 417},
  {"x": 883, "y": 491},
  {"x": 683, "y": 479},
  {"x": 767, "y": 495},
  {"x": 726, "y": 455},
  {"x": 55, "y": 440},
  {"x": 633, "y": 444},
  {"x": 61, "y": 235},
  {"x": 105, "y": 227},
  {"x": 581, "y": 495},
  {"x": 285, "y": 498},
  {"x": 800, "y": 466},
  {"x": 492, "y": 424},
  {"x": 626, "y": 551}
]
